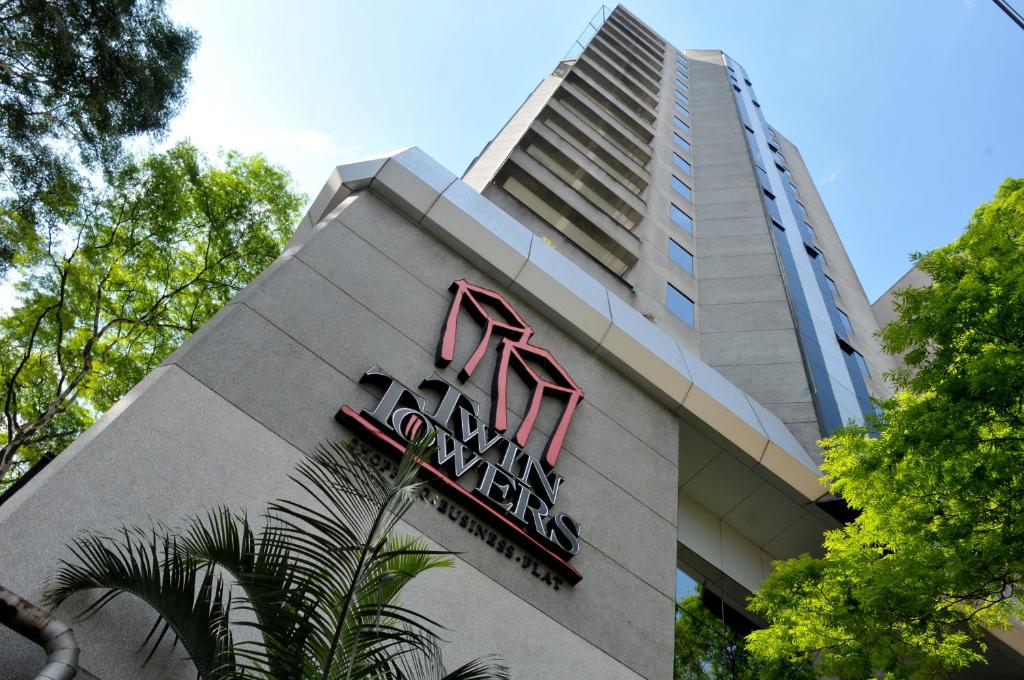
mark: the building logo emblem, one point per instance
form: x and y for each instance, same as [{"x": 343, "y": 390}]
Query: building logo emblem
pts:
[{"x": 514, "y": 490}]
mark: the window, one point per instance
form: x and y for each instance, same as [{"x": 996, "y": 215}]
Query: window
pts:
[
  {"x": 682, "y": 164},
  {"x": 861, "y": 364},
  {"x": 682, "y": 97},
  {"x": 681, "y": 125},
  {"x": 682, "y": 74},
  {"x": 735, "y": 88},
  {"x": 731, "y": 69},
  {"x": 681, "y": 110},
  {"x": 749, "y": 129},
  {"x": 680, "y": 305},
  {"x": 831, "y": 285},
  {"x": 682, "y": 142},
  {"x": 747, "y": 81},
  {"x": 681, "y": 256},
  {"x": 682, "y": 219},
  {"x": 810, "y": 229},
  {"x": 816, "y": 254},
  {"x": 801, "y": 210},
  {"x": 768, "y": 194},
  {"x": 755, "y": 103},
  {"x": 733, "y": 79},
  {"x": 857, "y": 357},
  {"x": 682, "y": 188},
  {"x": 682, "y": 86},
  {"x": 845, "y": 320}
]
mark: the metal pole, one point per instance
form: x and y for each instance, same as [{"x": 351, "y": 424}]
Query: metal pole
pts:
[
  {"x": 56, "y": 639},
  {"x": 1010, "y": 12}
]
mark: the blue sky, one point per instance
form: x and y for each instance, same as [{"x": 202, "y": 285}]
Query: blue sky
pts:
[{"x": 908, "y": 113}]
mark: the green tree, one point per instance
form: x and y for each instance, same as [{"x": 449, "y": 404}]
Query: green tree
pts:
[
  {"x": 77, "y": 77},
  {"x": 317, "y": 587},
  {"x": 937, "y": 552},
  {"x": 132, "y": 270},
  {"x": 708, "y": 649}
]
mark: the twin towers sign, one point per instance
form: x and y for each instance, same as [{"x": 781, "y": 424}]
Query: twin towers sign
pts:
[{"x": 476, "y": 461}]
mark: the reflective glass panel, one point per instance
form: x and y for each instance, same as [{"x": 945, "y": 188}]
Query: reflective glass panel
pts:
[
  {"x": 682, "y": 219},
  {"x": 682, "y": 188},
  {"x": 682, "y": 164},
  {"x": 680, "y": 305},
  {"x": 681, "y": 256}
]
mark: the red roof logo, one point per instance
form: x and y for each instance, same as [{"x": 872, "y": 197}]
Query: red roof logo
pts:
[{"x": 498, "y": 317}]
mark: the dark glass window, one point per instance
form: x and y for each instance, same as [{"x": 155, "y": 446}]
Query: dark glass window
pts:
[
  {"x": 831, "y": 285},
  {"x": 681, "y": 110},
  {"x": 680, "y": 305},
  {"x": 735, "y": 88},
  {"x": 681, "y": 125},
  {"x": 682, "y": 164},
  {"x": 681, "y": 256},
  {"x": 861, "y": 364},
  {"x": 749, "y": 129},
  {"x": 682, "y": 97},
  {"x": 681, "y": 218},
  {"x": 846, "y": 321},
  {"x": 682, "y": 74},
  {"x": 685, "y": 585},
  {"x": 682, "y": 86},
  {"x": 811, "y": 230},
  {"x": 682, "y": 142},
  {"x": 749, "y": 84},
  {"x": 682, "y": 188},
  {"x": 858, "y": 358}
]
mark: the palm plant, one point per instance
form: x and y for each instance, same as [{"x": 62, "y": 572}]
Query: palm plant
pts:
[{"x": 316, "y": 588}]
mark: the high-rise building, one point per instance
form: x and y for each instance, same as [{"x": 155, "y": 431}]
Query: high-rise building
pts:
[
  {"x": 649, "y": 257},
  {"x": 655, "y": 170}
]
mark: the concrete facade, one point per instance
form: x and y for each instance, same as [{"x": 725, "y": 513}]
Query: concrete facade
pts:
[
  {"x": 694, "y": 444},
  {"x": 232, "y": 410}
]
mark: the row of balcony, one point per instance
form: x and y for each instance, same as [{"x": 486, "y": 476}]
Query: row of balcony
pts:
[{"x": 581, "y": 166}]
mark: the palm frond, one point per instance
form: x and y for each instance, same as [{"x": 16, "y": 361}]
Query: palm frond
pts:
[
  {"x": 190, "y": 601},
  {"x": 429, "y": 666},
  {"x": 484, "y": 668},
  {"x": 263, "y": 566},
  {"x": 320, "y": 581},
  {"x": 341, "y": 538}
]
